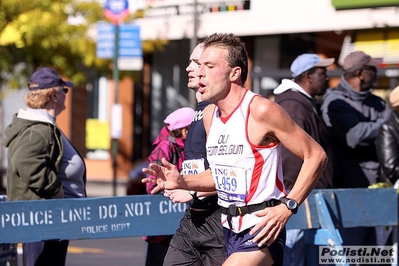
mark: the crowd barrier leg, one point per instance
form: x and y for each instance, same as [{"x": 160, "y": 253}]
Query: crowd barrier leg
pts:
[
  {"x": 395, "y": 235},
  {"x": 326, "y": 223},
  {"x": 8, "y": 252}
]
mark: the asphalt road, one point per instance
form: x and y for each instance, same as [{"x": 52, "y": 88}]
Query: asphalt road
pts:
[{"x": 103, "y": 252}]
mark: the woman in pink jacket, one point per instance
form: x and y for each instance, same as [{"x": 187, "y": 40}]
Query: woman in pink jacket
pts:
[{"x": 169, "y": 144}]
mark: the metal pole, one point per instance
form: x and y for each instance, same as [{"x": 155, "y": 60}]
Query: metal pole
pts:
[
  {"x": 115, "y": 74},
  {"x": 194, "y": 39},
  {"x": 193, "y": 43}
]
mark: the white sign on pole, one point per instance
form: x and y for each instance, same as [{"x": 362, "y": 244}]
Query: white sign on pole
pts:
[
  {"x": 130, "y": 63},
  {"x": 116, "y": 121}
]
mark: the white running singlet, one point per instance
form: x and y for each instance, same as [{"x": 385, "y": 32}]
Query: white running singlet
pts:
[{"x": 244, "y": 173}]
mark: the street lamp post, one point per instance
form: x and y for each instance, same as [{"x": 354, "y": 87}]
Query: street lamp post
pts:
[
  {"x": 193, "y": 43},
  {"x": 116, "y": 11},
  {"x": 115, "y": 75}
]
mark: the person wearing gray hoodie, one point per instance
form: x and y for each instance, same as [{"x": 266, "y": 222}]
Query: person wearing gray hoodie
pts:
[
  {"x": 354, "y": 116},
  {"x": 297, "y": 97}
]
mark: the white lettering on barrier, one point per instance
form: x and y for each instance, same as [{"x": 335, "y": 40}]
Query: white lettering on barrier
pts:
[
  {"x": 80, "y": 214},
  {"x": 167, "y": 206},
  {"x": 27, "y": 218},
  {"x": 75, "y": 214},
  {"x": 94, "y": 229},
  {"x": 137, "y": 209},
  {"x": 120, "y": 226},
  {"x": 110, "y": 211},
  {"x": 103, "y": 228}
]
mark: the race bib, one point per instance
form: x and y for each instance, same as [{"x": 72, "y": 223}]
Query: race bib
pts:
[
  {"x": 231, "y": 184},
  {"x": 193, "y": 167}
]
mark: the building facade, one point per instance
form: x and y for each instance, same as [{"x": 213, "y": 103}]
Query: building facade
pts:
[{"x": 275, "y": 33}]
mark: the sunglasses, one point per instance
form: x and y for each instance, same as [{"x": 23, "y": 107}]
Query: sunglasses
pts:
[
  {"x": 65, "y": 90},
  {"x": 370, "y": 68}
]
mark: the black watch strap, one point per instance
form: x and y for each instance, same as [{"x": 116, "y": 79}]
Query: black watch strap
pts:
[
  {"x": 291, "y": 204},
  {"x": 194, "y": 195}
]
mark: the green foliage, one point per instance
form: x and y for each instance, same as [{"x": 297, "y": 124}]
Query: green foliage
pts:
[
  {"x": 45, "y": 33},
  {"x": 56, "y": 33}
]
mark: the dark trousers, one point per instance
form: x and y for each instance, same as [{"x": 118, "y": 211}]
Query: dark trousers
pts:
[
  {"x": 156, "y": 253},
  {"x": 198, "y": 240},
  {"x": 45, "y": 253}
]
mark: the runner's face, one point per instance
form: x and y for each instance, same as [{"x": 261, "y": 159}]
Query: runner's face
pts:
[
  {"x": 213, "y": 72},
  {"x": 192, "y": 68}
]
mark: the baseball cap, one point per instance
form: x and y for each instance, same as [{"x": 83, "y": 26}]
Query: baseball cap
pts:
[
  {"x": 304, "y": 62},
  {"x": 359, "y": 59},
  {"x": 180, "y": 118},
  {"x": 394, "y": 97},
  {"x": 45, "y": 78}
]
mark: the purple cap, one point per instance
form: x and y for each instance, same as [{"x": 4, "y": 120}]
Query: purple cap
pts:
[
  {"x": 180, "y": 118},
  {"x": 45, "y": 78}
]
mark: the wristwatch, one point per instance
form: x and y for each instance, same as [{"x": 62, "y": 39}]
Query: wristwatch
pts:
[
  {"x": 291, "y": 204},
  {"x": 194, "y": 194}
]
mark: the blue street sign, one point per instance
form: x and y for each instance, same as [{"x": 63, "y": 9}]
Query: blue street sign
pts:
[
  {"x": 129, "y": 40},
  {"x": 105, "y": 40}
]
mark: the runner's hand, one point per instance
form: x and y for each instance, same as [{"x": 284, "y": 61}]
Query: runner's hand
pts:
[
  {"x": 275, "y": 218},
  {"x": 166, "y": 177},
  {"x": 178, "y": 195}
]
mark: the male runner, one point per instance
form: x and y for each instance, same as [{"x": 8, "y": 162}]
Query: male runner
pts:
[
  {"x": 245, "y": 133},
  {"x": 199, "y": 238}
]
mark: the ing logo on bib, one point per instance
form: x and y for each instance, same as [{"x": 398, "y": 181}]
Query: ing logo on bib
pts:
[
  {"x": 195, "y": 165},
  {"x": 233, "y": 173}
]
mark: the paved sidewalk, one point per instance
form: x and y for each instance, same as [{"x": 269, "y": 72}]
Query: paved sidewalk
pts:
[{"x": 105, "y": 189}]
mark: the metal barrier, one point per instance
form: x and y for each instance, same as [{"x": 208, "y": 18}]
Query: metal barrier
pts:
[
  {"x": 113, "y": 217},
  {"x": 8, "y": 252}
]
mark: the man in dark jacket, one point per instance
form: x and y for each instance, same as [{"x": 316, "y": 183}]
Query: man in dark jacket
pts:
[
  {"x": 387, "y": 146},
  {"x": 297, "y": 97},
  {"x": 387, "y": 142},
  {"x": 354, "y": 115}
]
